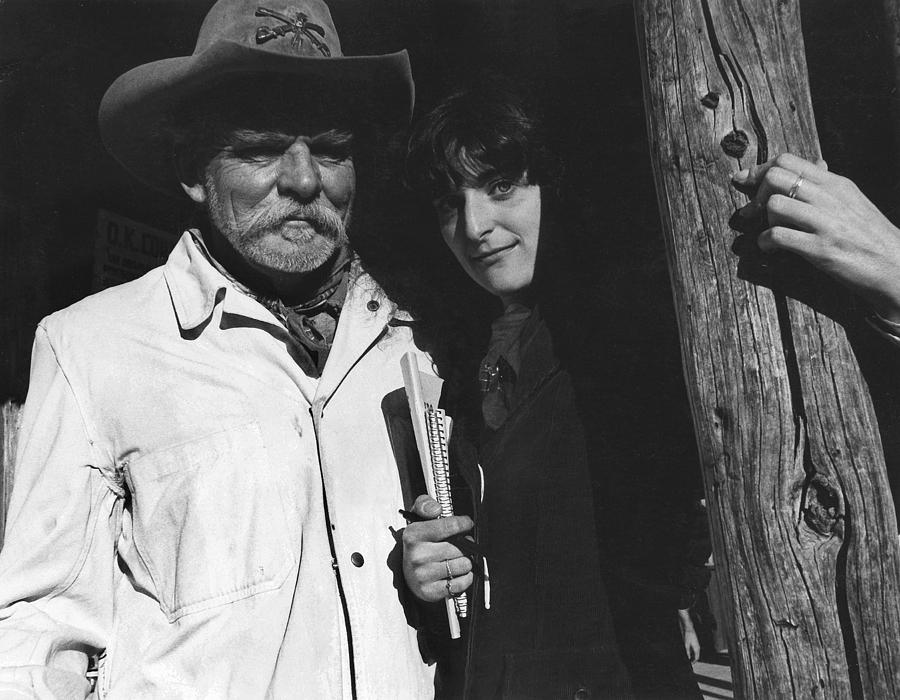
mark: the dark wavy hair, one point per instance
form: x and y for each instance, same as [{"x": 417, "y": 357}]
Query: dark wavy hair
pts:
[{"x": 484, "y": 126}]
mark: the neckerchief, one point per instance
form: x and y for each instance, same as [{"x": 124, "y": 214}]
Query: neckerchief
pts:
[{"x": 312, "y": 323}]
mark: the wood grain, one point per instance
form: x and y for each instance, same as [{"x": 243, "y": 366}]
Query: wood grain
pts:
[
  {"x": 9, "y": 428},
  {"x": 803, "y": 525}
]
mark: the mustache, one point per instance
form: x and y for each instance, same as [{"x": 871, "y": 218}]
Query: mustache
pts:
[{"x": 326, "y": 222}]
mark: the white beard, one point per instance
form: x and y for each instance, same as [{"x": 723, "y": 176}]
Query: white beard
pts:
[{"x": 308, "y": 250}]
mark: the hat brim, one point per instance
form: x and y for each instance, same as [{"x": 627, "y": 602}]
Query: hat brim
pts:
[{"x": 379, "y": 89}]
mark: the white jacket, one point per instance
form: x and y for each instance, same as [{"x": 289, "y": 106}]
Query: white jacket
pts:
[{"x": 180, "y": 488}]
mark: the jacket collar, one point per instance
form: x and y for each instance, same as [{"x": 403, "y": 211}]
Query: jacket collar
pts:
[
  {"x": 538, "y": 358},
  {"x": 364, "y": 318},
  {"x": 196, "y": 286},
  {"x": 539, "y": 363},
  {"x": 194, "y": 282}
]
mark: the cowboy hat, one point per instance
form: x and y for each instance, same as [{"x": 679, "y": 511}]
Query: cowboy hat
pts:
[{"x": 293, "y": 38}]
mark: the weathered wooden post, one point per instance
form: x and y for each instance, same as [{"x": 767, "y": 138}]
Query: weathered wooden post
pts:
[
  {"x": 9, "y": 429},
  {"x": 804, "y": 530}
]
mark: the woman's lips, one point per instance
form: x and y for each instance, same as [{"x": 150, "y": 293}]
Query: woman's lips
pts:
[{"x": 491, "y": 254}]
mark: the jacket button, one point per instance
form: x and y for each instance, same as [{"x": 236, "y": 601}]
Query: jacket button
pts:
[
  {"x": 582, "y": 694},
  {"x": 372, "y": 305},
  {"x": 357, "y": 559}
]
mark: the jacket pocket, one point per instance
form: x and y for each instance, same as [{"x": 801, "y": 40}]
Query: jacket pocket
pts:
[
  {"x": 564, "y": 674},
  {"x": 209, "y": 522}
]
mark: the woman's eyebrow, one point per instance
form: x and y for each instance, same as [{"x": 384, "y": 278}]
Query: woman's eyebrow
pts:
[
  {"x": 491, "y": 174},
  {"x": 485, "y": 177},
  {"x": 473, "y": 179}
]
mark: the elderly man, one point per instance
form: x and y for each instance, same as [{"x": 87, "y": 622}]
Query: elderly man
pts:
[{"x": 205, "y": 488}]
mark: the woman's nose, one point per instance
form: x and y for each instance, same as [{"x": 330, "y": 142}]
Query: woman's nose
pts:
[{"x": 477, "y": 216}]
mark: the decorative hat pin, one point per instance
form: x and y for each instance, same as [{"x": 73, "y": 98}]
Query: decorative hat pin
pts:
[{"x": 299, "y": 26}]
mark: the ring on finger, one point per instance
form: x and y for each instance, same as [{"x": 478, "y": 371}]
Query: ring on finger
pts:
[
  {"x": 795, "y": 188},
  {"x": 449, "y": 572},
  {"x": 448, "y": 583}
]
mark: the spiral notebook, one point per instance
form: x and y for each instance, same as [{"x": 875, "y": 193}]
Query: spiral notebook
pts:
[{"x": 432, "y": 427}]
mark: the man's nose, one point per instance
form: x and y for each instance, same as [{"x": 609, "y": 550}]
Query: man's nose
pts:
[
  {"x": 298, "y": 173},
  {"x": 477, "y": 218}
]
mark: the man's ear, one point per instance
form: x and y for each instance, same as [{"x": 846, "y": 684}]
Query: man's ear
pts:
[
  {"x": 197, "y": 192},
  {"x": 190, "y": 180}
]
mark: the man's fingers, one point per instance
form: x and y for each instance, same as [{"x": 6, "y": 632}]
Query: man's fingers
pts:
[{"x": 426, "y": 507}]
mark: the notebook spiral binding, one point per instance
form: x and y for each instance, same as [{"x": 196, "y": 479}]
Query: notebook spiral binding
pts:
[{"x": 436, "y": 422}]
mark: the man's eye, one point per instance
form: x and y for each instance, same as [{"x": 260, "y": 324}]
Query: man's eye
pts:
[
  {"x": 258, "y": 153},
  {"x": 334, "y": 155},
  {"x": 335, "y": 148}
]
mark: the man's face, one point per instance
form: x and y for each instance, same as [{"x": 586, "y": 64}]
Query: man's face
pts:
[
  {"x": 282, "y": 200},
  {"x": 492, "y": 226}
]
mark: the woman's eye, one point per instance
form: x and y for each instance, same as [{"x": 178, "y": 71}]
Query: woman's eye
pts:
[{"x": 502, "y": 187}]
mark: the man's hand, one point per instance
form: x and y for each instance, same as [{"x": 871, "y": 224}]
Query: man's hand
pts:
[
  {"x": 429, "y": 562},
  {"x": 689, "y": 635},
  {"x": 825, "y": 219}
]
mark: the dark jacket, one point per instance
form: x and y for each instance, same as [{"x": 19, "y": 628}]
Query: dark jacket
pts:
[{"x": 548, "y": 632}]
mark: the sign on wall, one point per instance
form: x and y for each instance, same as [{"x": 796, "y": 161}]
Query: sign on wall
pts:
[{"x": 126, "y": 249}]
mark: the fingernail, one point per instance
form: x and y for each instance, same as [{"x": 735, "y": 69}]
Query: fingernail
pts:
[{"x": 741, "y": 175}]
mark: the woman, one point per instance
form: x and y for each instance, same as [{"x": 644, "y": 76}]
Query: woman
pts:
[{"x": 520, "y": 444}]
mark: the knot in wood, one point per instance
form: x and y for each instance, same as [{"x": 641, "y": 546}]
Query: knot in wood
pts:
[
  {"x": 822, "y": 506},
  {"x": 735, "y": 143},
  {"x": 786, "y": 622},
  {"x": 710, "y": 100}
]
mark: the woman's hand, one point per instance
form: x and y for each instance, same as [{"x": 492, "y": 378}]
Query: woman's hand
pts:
[
  {"x": 433, "y": 568},
  {"x": 825, "y": 219},
  {"x": 689, "y": 635}
]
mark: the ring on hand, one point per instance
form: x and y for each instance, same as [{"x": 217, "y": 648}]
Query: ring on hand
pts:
[
  {"x": 795, "y": 188},
  {"x": 447, "y": 583},
  {"x": 449, "y": 573}
]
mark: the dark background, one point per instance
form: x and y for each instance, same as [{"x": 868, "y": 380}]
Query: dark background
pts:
[{"x": 578, "y": 56}]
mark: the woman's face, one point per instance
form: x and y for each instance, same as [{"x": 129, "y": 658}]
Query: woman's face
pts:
[{"x": 492, "y": 225}]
